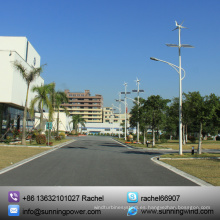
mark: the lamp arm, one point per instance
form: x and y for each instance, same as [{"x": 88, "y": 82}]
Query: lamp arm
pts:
[{"x": 175, "y": 67}]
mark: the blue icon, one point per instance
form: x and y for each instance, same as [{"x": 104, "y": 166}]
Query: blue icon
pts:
[
  {"x": 132, "y": 211},
  {"x": 13, "y": 210},
  {"x": 132, "y": 197}
]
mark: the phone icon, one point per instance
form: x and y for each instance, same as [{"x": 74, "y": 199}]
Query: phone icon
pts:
[{"x": 13, "y": 196}]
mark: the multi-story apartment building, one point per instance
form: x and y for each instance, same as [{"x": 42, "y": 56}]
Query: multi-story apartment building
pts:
[
  {"x": 110, "y": 117},
  {"x": 82, "y": 103}
]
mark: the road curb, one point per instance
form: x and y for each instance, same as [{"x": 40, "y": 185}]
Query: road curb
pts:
[
  {"x": 181, "y": 173},
  {"x": 190, "y": 158},
  {"x": 151, "y": 149},
  {"x": 123, "y": 144},
  {"x": 4, "y": 170}
]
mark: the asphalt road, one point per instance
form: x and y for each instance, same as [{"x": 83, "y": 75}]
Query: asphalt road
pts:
[{"x": 93, "y": 161}]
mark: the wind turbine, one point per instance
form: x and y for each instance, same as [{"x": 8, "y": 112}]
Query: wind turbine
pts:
[{"x": 179, "y": 27}]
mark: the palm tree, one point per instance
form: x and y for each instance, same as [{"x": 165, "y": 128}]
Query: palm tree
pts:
[
  {"x": 76, "y": 119},
  {"x": 29, "y": 77},
  {"x": 60, "y": 98},
  {"x": 82, "y": 123},
  {"x": 42, "y": 99}
]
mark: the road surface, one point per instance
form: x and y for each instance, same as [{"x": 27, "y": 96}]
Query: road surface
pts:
[{"x": 93, "y": 161}]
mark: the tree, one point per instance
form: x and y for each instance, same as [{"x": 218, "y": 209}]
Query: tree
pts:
[
  {"x": 154, "y": 111},
  {"x": 29, "y": 77},
  {"x": 77, "y": 119},
  {"x": 172, "y": 118},
  {"x": 43, "y": 100},
  {"x": 136, "y": 113},
  {"x": 213, "y": 123},
  {"x": 201, "y": 111},
  {"x": 59, "y": 99}
]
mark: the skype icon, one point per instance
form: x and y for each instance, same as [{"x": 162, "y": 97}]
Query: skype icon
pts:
[{"x": 132, "y": 197}]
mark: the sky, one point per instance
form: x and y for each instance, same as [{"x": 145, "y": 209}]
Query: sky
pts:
[{"x": 98, "y": 45}]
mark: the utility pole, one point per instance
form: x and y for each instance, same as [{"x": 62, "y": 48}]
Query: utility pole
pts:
[
  {"x": 138, "y": 103},
  {"x": 125, "y": 92}
]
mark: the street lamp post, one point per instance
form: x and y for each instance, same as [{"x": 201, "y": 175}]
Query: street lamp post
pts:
[
  {"x": 138, "y": 103},
  {"x": 112, "y": 116},
  {"x": 125, "y": 92},
  {"x": 119, "y": 108},
  {"x": 119, "y": 100},
  {"x": 180, "y": 98},
  {"x": 178, "y": 69}
]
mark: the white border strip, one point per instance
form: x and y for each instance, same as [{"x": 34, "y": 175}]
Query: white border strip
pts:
[
  {"x": 4, "y": 170},
  {"x": 122, "y": 144},
  {"x": 181, "y": 173}
]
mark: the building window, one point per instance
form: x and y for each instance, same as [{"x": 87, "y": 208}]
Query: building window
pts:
[
  {"x": 106, "y": 120},
  {"x": 107, "y": 129}
]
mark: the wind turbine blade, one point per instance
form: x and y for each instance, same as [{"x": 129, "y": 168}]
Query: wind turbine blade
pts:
[
  {"x": 182, "y": 23},
  {"x": 175, "y": 29}
]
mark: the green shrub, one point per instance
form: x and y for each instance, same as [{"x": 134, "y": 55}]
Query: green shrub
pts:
[
  {"x": 62, "y": 135},
  {"x": 41, "y": 139},
  {"x": 8, "y": 140},
  {"x": 58, "y": 138},
  {"x": 165, "y": 136},
  {"x": 192, "y": 139},
  {"x": 50, "y": 144},
  {"x": 35, "y": 133}
]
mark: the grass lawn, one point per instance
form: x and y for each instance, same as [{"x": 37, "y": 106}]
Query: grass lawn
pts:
[
  {"x": 34, "y": 143},
  {"x": 189, "y": 155},
  {"x": 10, "y": 155},
  {"x": 207, "y": 170}
]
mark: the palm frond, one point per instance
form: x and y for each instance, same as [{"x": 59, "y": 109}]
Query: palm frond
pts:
[
  {"x": 21, "y": 69},
  {"x": 32, "y": 104}
]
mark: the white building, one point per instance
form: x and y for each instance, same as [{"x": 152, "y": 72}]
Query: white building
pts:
[
  {"x": 13, "y": 87},
  {"x": 89, "y": 128}
]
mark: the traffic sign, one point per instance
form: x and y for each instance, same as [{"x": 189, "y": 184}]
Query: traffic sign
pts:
[{"x": 49, "y": 125}]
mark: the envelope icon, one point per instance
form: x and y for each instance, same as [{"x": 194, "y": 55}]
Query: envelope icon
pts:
[{"x": 13, "y": 210}]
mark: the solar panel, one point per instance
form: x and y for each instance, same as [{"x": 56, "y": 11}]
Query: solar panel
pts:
[
  {"x": 187, "y": 45},
  {"x": 172, "y": 45}
]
